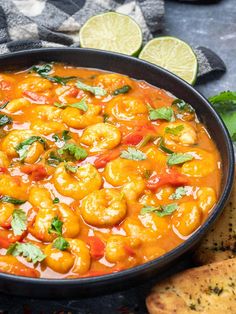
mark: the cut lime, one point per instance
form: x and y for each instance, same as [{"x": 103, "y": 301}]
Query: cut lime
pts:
[
  {"x": 112, "y": 31},
  {"x": 172, "y": 54}
]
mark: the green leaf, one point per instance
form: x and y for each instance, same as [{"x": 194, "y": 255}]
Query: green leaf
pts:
[
  {"x": 179, "y": 193},
  {"x": 224, "y": 102},
  {"x": 123, "y": 90},
  {"x": 59, "y": 105},
  {"x": 105, "y": 117},
  {"x": 164, "y": 148},
  {"x": 23, "y": 147},
  {"x": 60, "y": 79},
  {"x": 183, "y": 106},
  {"x": 4, "y": 105},
  {"x": 178, "y": 158},
  {"x": 71, "y": 168},
  {"x": 64, "y": 137},
  {"x": 160, "y": 211},
  {"x": 11, "y": 200},
  {"x": 4, "y": 119},
  {"x": 80, "y": 105},
  {"x": 175, "y": 130},
  {"x": 56, "y": 200},
  {"x": 97, "y": 91},
  {"x": 56, "y": 226},
  {"x": 61, "y": 244},
  {"x": 19, "y": 222},
  {"x": 28, "y": 250},
  {"x": 73, "y": 150},
  {"x": 133, "y": 154},
  {"x": 163, "y": 113},
  {"x": 43, "y": 69},
  {"x": 53, "y": 159}
]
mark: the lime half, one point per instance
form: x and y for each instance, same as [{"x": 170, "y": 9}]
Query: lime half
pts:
[
  {"x": 172, "y": 54},
  {"x": 112, "y": 31}
]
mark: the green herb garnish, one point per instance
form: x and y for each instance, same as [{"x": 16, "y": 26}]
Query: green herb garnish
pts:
[
  {"x": 160, "y": 211},
  {"x": 43, "y": 69},
  {"x": 105, "y": 117},
  {"x": 11, "y": 200},
  {"x": 23, "y": 147},
  {"x": 56, "y": 226},
  {"x": 4, "y": 105},
  {"x": 179, "y": 193},
  {"x": 97, "y": 91},
  {"x": 56, "y": 200},
  {"x": 164, "y": 148},
  {"x": 80, "y": 105},
  {"x": 64, "y": 137},
  {"x": 148, "y": 138},
  {"x": 19, "y": 222},
  {"x": 178, "y": 158},
  {"x": 123, "y": 90},
  {"x": 175, "y": 130},
  {"x": 28, "y": 250},
  {"x": 163, "y": 113},
  {"x": 183, "y": 106},
  {"x": 73, "y": 150},
  {"x": 133, "y": 154},
  {"x": 225, "y": 105},
  {"x": 61, "y": 244},
  {"x": 71, "y": 168},
  {"x": 4, "y": 119}
]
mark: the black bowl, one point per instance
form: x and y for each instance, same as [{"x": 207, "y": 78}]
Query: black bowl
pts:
[{"x": 141, "y": 70}]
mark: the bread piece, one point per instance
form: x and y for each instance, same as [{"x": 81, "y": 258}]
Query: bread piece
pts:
[
  {"x": 220, "y": 242},
  {"x": 208, "y": 289}
]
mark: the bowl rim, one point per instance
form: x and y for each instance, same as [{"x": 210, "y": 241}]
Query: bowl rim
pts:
[{"x": 182, "y": 248}]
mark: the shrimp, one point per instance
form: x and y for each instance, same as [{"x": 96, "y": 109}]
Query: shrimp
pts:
[
  {"x": 101, "y": 136},
  {"x": 132, "y": 190},
  {"x": 187, "y": 218},
  {"x": 4, "y": 161},
  {"x": 112, "y": 82},
  {"x": 6, "y": 211},
  {"x": 86, "y": 180},
  {"x": 120, "y": 171},
  {"x": 14, "y": 138},
  {"x": 202, "y": 165},
  {"x": 206, "y": 199},
  {"x": 17, "y": 105},
  {"x": 47, "y": 120},
  {"x": 186, "y": 135},
  {"x": 104, "y": 208},
  {"x": 40, "y": 197},
  {"x": 35, "y": 84},
  {"x": 126, "y": 108},
  {"x": 76, "y": 257},
  {"x": 79, "y": 119},
  {"x": 44, "y": 218},
  {"x": 13, "y": 187}
]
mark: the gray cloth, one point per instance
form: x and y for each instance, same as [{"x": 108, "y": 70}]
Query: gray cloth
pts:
[{"x": 27, "y": 24}]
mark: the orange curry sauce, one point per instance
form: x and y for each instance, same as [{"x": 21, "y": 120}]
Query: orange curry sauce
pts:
[{"x": 98, "y": 172}]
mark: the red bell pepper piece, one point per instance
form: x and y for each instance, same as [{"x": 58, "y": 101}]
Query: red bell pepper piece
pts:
[
  {"x": 37, "y": 172},
  {"x": 97, "y": 247},
  {"x": 133, "y": 139},
  {"x": 103, "y": 159},
  {"x": 173, "y": 178}
]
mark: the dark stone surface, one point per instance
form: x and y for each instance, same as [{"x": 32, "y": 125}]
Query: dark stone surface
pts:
[{"x": 213, "y": 26}]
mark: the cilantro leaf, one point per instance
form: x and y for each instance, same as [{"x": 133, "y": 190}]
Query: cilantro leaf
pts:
[
  {"x": 133, "y": 154},
  {"x": 43, "y": 69},
  {"x": 56, "y": 226},
  {"x": 174, "y": 131},
  {"x": 80, "y": 105},
  {"x": 60, "y": 79},
  {"x": 59, "y": 105},
  {"x": 73, "y": 150},
  {"x": 19, "y": 222},
  {"x": 123, "y": 90},
  {"x": 11, "y": 200},
  {"x": 160, "y": 211},
  {"x": 61, "y": 139},
  {"x": 53, "y": 159},
  {"x": 61, "y": 244},
  {"x": 148, "y": 138},
  {"x": 28, "y": 250},
  {"x": 97, "y": 91},
  {"x": 71, "y": 168},
  {"x": 4, "y": 119},
  {"x": 178, "y": 158},
  {"x": 179, "y": 192},
  {"x": 4, "y": 105},
  {"x": 182, "y": 105},
  {"x": 163, "y": 113},
  {"x": 23, "y": 147}
]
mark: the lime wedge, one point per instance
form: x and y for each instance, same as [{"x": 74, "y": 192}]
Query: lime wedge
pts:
[
  {"x": 172, "y": 54},
  {"x": 112, "y": 31}
]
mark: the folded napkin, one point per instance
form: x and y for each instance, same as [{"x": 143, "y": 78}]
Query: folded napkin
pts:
[{"x": 27, "y": 24}]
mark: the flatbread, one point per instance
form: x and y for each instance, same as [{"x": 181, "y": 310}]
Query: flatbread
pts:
[
  {"x": 220, "y": 243},
  {"x": 208, "y": 289}
]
